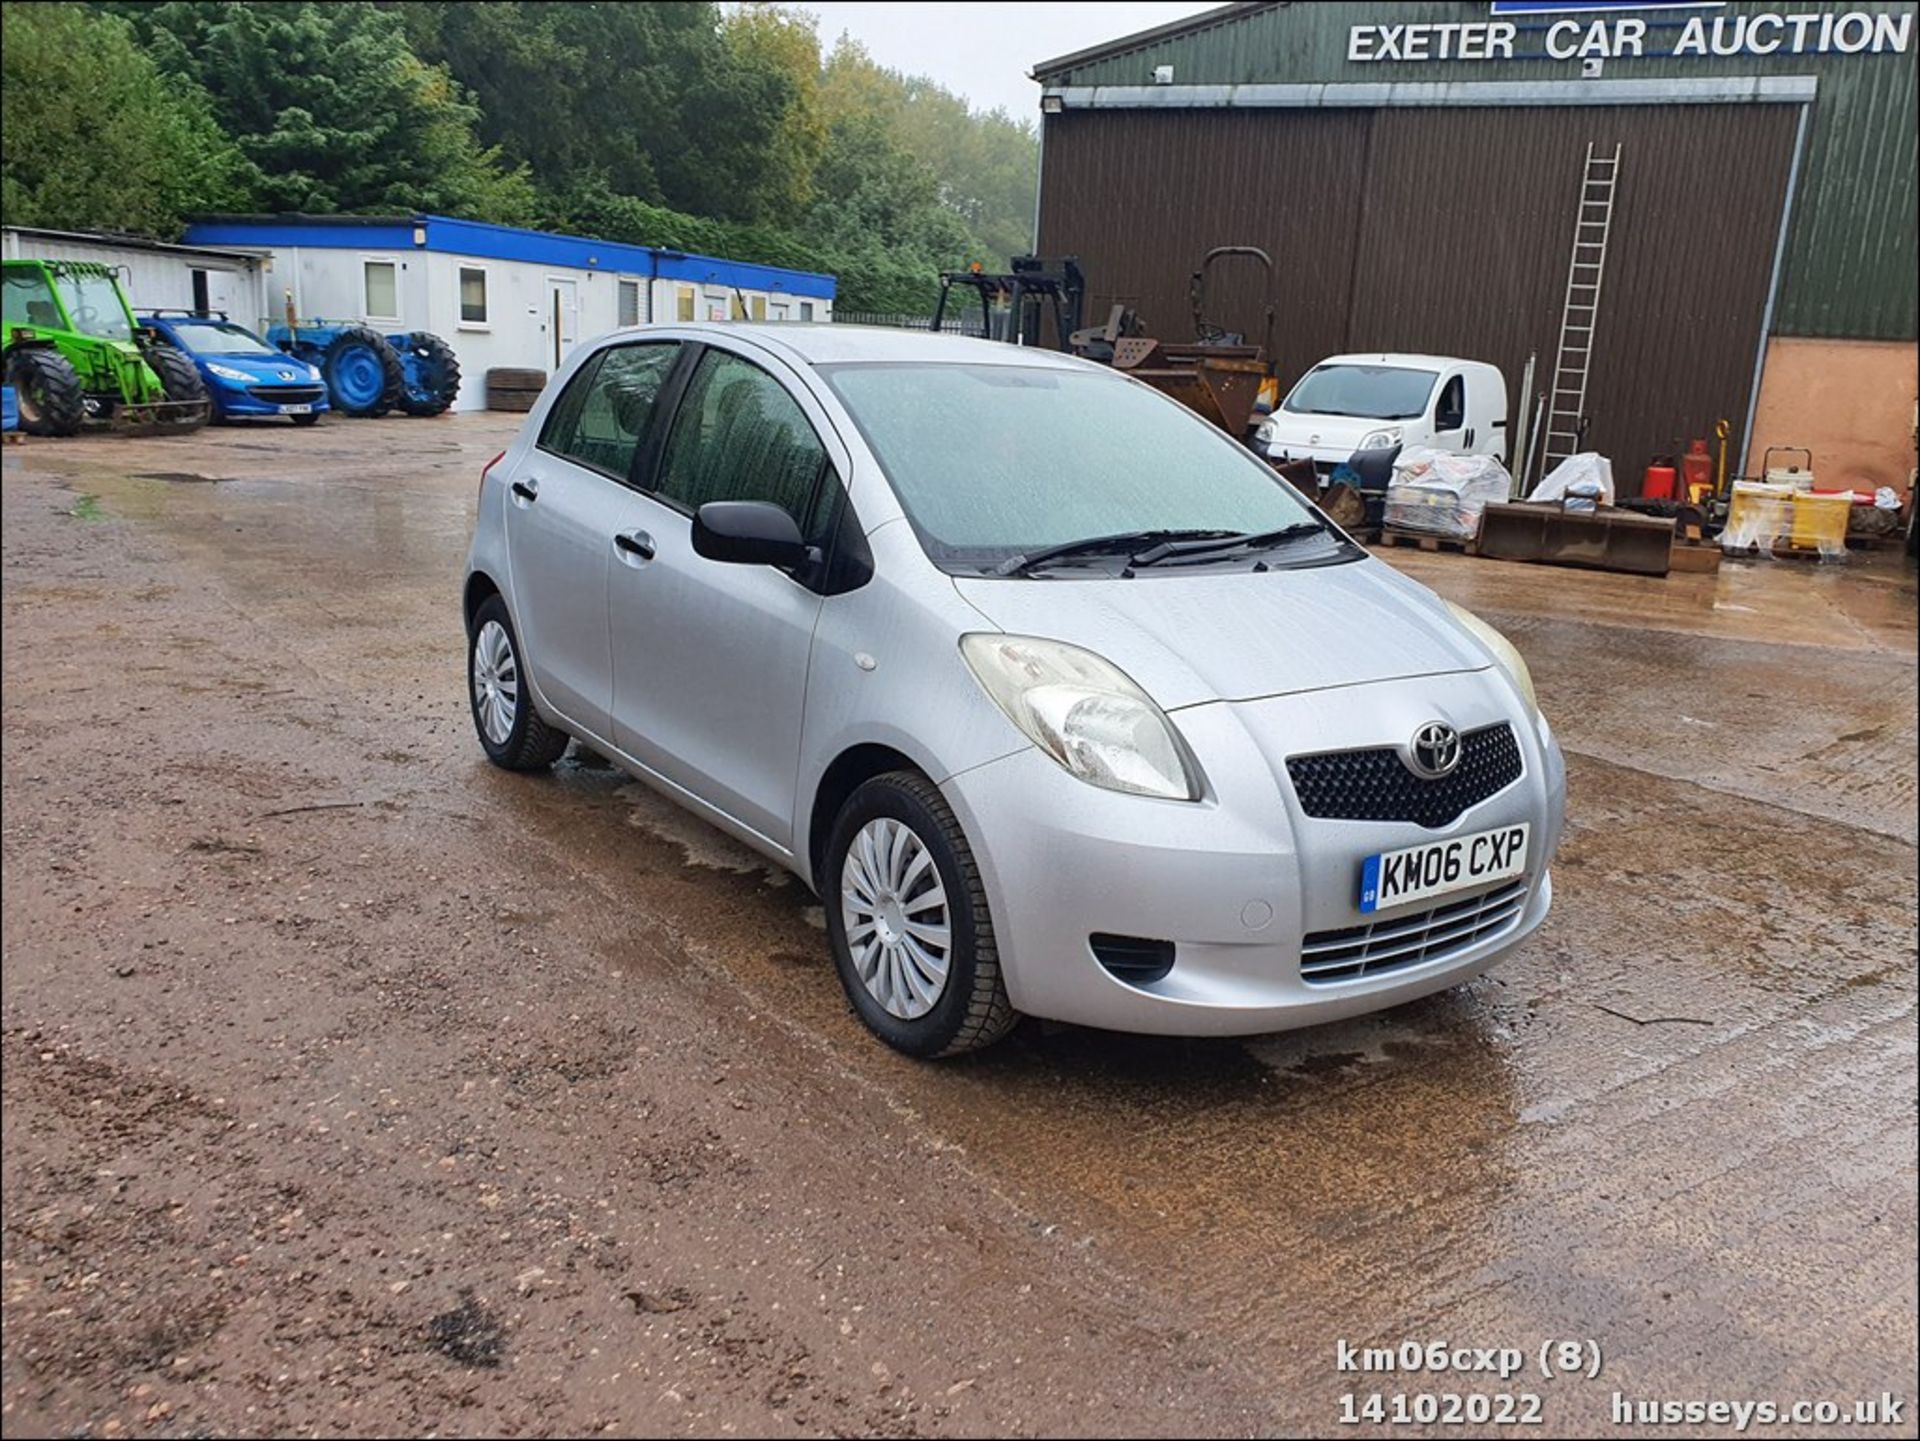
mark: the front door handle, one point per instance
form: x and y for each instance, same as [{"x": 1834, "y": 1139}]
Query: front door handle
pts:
[
  {"x": 526, "y": 491},
  {"x": 1469, "y": 437},
  {"x": 636, "y": 543}
]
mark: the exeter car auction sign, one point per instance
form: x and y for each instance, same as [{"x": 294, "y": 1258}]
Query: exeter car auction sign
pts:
[{"x": 1851, "y": 32}]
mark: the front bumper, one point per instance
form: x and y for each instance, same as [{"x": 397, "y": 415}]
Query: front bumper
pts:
[
  {"x": 1325, "y": 458},
  {"x": 1238, "y": 880},
  {"x": 262, "y": 398}
]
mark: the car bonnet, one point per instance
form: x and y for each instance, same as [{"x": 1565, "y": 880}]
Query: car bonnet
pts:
[{"x": 1238, "y": 634}]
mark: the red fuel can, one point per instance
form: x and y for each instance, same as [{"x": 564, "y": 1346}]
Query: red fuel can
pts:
[
  {"x": 1696, "y": 471},
  {"x": 1660, "y": 480}
]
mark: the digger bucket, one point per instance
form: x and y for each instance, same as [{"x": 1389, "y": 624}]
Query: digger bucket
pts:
[{"x": 1222, "y": 391}]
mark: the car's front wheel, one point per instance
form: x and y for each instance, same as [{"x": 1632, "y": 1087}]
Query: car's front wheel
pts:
[
  {"x": 510, "y": 729},
  {"x": 907, "y": 916}
]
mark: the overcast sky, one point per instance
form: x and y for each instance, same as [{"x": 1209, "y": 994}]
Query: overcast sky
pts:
[{"x": 984, "y": 51}]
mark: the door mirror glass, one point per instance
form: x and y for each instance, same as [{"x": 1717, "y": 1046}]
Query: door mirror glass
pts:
[{"x": 748, "y": 532}]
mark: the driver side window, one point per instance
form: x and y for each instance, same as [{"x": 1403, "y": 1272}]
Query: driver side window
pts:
[
  {"x": 740, "y": 436},
  {"x": 1451, "y": 412}
]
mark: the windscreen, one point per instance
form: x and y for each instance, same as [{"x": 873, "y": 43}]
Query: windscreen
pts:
[
  {"x": 212, "y": 337},
  {"x": 995, "y": 461},
  {"x": 1372, "y": 392},
  {"x": 94, "y": 304}
]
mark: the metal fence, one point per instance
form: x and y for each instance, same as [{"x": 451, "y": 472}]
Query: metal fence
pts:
[{"x": 896, "y": 320}]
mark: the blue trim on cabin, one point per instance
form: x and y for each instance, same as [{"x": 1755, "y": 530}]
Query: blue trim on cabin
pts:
[
  {"x": 264, "y": 234},
  {"x": 482, "y": 240}
]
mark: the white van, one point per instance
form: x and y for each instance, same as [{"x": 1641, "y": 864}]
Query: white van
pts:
[{"x": 1372, "y": 402}]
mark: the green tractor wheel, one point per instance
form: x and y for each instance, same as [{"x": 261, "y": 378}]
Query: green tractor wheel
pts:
[
  {"x": 48, "y": 389},
  {"x": 179, "y": 377}
]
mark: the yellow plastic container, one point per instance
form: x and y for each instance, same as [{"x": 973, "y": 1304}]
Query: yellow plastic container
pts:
[
  {"x": 1820, "y": 522},
  {"x": 1759, "y": 516}
]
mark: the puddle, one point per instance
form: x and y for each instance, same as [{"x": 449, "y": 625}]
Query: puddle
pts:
[{"x": 699, "y": 843}]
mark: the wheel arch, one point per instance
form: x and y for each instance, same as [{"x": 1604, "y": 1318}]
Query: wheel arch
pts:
[
  {"x": 479, "y": 589},
  {"x": 845, "y": 774}
]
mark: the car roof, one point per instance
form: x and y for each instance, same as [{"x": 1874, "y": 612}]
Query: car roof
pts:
[
  {"x": 1400, "y": 357},
  {"x": 831, "y": 343}
]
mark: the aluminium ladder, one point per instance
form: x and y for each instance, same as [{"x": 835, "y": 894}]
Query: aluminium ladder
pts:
[{"x": 1586, "y": 268}]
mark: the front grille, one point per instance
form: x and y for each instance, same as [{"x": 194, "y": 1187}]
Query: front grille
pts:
[
  {"x": 1376, "y": 785},
  {"x": 287, "y": 394},
  {"x": 1356, "y": 951}
]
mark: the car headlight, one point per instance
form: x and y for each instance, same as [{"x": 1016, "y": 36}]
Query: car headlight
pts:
[
  {"x": 1381, "y": 439},
  {"x": 227, "y": 372},
  {"x": 1264, "y": 432},
  {"x": 1085, "y": 713},
  {"x": 1510, "y": 659}
]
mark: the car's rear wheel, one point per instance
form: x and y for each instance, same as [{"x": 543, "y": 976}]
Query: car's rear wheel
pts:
[
  {"x": 510, "y": 729},
  {"x": 908, "y": 919}
]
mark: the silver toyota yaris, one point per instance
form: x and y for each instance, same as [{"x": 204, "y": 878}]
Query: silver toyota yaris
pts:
[{"x": 1061, "y": 701}]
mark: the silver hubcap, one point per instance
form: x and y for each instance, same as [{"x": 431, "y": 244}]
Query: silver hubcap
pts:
[
  {"x": 496, "y": 682},
  {"x": 895, "y": 910}
]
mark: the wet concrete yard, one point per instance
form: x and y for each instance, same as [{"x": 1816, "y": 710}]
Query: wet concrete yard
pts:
[{"x": 352, "y": 1084}]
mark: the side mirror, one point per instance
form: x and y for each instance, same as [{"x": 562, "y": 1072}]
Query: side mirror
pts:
[{"x": 749, "y": 532}]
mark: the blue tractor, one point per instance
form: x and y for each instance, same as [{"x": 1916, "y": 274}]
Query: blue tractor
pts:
[{"x": 369, "y": 374}]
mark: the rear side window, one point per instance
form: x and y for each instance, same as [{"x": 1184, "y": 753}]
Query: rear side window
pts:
[
  {"x": 740, "y": 436},
  {"x": 603, "y": 415}
]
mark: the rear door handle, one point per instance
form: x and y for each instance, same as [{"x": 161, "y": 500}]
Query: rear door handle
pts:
[
  {"x": 527, "y": 491},
  {"x": 636, "y": 543}
]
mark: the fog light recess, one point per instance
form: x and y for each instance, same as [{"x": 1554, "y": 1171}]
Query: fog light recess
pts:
[{"x": 1133, "y": 959}]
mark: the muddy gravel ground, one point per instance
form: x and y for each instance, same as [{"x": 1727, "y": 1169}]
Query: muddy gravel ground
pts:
[{"x": 354, "y": 1086}]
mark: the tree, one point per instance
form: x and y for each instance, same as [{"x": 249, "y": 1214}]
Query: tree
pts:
[
  {"x": 92, "y": 136},
  {"x": 649, "y": 98},
  {"x": 984, "y": 166},
  {"x": 785, "y": 40},
  {"x": 333, "y": 109}
]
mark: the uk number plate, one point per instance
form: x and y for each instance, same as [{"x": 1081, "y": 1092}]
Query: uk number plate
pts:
[
  {"x": 1393, "y": 878},
  {"x": 296, "y": 410}
]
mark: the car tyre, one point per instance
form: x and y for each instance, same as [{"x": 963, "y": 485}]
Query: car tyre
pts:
[
  {"x": 883, "y": 921},
  {"x": 510, "y": 729}
]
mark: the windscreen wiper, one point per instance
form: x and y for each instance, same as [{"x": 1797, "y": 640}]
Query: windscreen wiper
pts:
[
  {"x": 1125, "y": 543},
  {"x": 1172, "y": 549}
]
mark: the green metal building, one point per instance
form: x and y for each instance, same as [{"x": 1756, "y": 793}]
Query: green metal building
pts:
[{"x": 1417, "y": 171}]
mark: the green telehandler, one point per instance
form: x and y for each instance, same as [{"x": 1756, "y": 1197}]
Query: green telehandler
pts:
[{"x": 74, "y": 355}]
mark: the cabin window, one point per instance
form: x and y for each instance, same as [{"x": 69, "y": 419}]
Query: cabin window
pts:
[
  {"x": 383, "y": 290},
  {"x": 473, "y": 295}
]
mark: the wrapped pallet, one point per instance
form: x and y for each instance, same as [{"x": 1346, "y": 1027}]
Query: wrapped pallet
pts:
[{"x": 1435, "y": 492}]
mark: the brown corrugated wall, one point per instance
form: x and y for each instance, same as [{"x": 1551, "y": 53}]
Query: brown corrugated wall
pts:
[{"x": 1446, "y": 230}]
